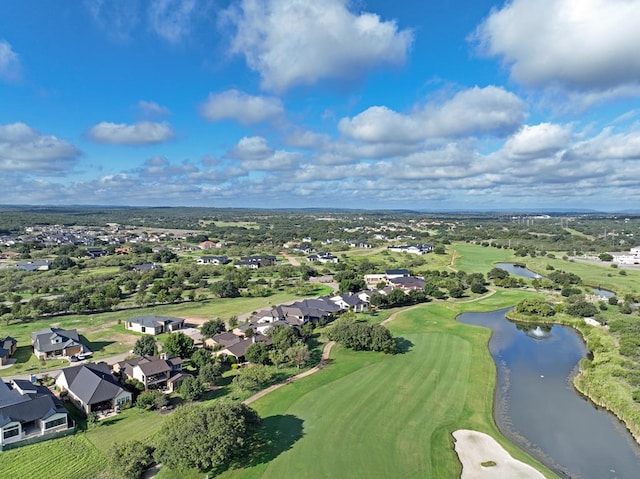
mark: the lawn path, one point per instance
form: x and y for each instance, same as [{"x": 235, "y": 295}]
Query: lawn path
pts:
[{"x": 325, "y": 357}]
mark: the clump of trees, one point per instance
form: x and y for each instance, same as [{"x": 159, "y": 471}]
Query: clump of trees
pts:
[
  {"x": 206, "y": 437},
  {"x": 535, "y": 306},
  {"x": 362, "y": 336}
]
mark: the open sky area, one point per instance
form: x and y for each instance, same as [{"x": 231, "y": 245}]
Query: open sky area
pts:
[{"x": 426, "y": 105}]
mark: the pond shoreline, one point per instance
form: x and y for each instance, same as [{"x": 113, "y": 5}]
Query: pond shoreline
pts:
[{"x": 603, "y": 402}]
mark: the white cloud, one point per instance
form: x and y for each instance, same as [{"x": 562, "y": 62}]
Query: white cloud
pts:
[
  {"x": 152, "y": 109},
  {"x": 475, "y": 111},
  {"x": 537, "y": 141},
  {"x": 381, "y": 124},
  {"x": 141, "y": 133},
  {"x": 118, "y": 19},
  {"x": 172, "y": 19},
  {"x": 255, "y": 154},
  {"x": 9, "y": 62},
  {"x": 297, "y": 42},
  {"x": 489, "y": 110},
  {"x": 577, "y": 44},
  {"x": 24, "y": 149},
  {"x": 241, "y": 107}
]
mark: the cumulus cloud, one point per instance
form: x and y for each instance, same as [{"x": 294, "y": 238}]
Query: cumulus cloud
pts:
[
  {"x": 172, "y": 19},
  {"x": 381, "y": 124},
  {"x": 475, "y": 111},
  {"x": 24, "y": 149},
  {"x": 297, "y": 42},
  {"x": 9, "y": 62},
  {"x": 540, "y": 140},
  {"x": 241, "y": 107},
  {"x": 577, "y": 44},
  {"x": 255, "y": 154},
  {"x": 141, "y": 133},
  {"x": 151, "y": 109}
]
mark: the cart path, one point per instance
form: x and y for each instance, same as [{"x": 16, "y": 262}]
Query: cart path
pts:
[{"x": 325, "y": 357}]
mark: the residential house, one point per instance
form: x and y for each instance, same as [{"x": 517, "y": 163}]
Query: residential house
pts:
[
  {"x": 216, "y": 260},
  {"x": 239, "y": 349},
  {"x": 28, "y": 411},
  {"x": 408, "y": 283},
  {"x": 8, "y": 348},
  {"x": 397, "y": 273},
  {"x": 153, "y": 325},
  {"x": 35, "y": 265},
  {"x": 350, "y": 302},
  {"x": 91, "y": 387},
  {"x": 141, "y": 268},
  {"x": 151, "y": 371},
  {"x": 222, "y": 340},
  {"x": 255, "y": 262},
  {"x": 323, "y": 258},
  {"x": 416, "y": 248},
  {"x": 55, "y": 342},
  {"x": 94, "y": 252}
]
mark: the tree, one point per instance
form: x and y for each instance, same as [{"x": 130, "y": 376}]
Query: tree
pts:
[
  {"x": 277, "y": 357},
  {"x": 152, "y": 400},
  {"x": 396, "y": 297},
  {"x": 251, "y": 378},
  {"x": 179, "y": 344},
  {"x": 191, "y": 388},
  {"x": 283, "y": 337},
  {"x": 581, "y": 308},
  {"x": 129, "y": 459},
  {"x": 225, "y": 289},
  {"x": 208, "y": 437},
  {"x": 605, "y": 257},
  {"x": 212, "y": 327},
  {"x": 299, "y": 354},
  {"x": 351, "y": 285},
  {"x": 145, "y": 346},
  {"x": 210, "y": 373},
  {"x": 201, "y": 357},
  {"x": 258, "y": 353},
  {"x": 497, "y": 273}
]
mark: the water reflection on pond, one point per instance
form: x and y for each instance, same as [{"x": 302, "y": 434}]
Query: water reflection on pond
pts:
[
  {"x": 517, "y": 270},
  {"x": 538, "y": 408}
]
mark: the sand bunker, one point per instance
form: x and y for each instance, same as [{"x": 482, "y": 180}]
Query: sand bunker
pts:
[{"x": 483, "y": 458}]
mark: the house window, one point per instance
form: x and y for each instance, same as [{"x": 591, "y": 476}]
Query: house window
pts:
[
  {"x": 55, "y": 422},
  {"x": 122, "y": 401},
  {"x": 143, "y": 329},
  {"x": 11, "y": 432}
]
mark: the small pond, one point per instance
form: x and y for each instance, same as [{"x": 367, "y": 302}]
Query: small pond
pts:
[
  {"x": 517, "y": 270},
  {"x": 537, "y": 407},
  {"x": 603, "y": 292}
]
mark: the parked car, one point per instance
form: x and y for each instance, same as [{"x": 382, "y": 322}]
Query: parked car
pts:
[
  {"x": 83, "y": 356},
  {"x": 73, "y": 359}
]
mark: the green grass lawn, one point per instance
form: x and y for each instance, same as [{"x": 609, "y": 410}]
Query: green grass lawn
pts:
[
  {"x": 371, "y": 415},
  {"x": 71, "y": 457}
]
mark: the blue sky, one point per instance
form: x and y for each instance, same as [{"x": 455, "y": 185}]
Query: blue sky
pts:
[{"x": 450, "y": 104}]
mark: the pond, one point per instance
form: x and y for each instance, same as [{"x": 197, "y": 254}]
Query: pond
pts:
[
  {"x": 604, "y": 293},
  {"x": 517, "y": 270},
  {"x": 537, "y": 407}
]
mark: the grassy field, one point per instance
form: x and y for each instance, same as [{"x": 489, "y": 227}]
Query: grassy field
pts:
[
  {"x": 71, "y": 457},
  {"x": 371, "y": 415}
]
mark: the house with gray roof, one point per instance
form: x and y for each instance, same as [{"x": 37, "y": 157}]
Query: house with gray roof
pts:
[
  {"x": 154, "y": 325},
  {"x": 91, "y": 387},
  {"x": 28, "y": 411},
  {"x": 8, "y": 348},
  {"x": 35, "y": 265},
  {"x": 239, "y": 349},
  {"x": 52, "y": 343},
  {"x": 153, "y": 372}
]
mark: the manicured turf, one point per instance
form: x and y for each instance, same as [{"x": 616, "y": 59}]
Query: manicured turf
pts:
[
  {"x": 71, "y": 457},
  {"x": 370, "y": 415}
]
